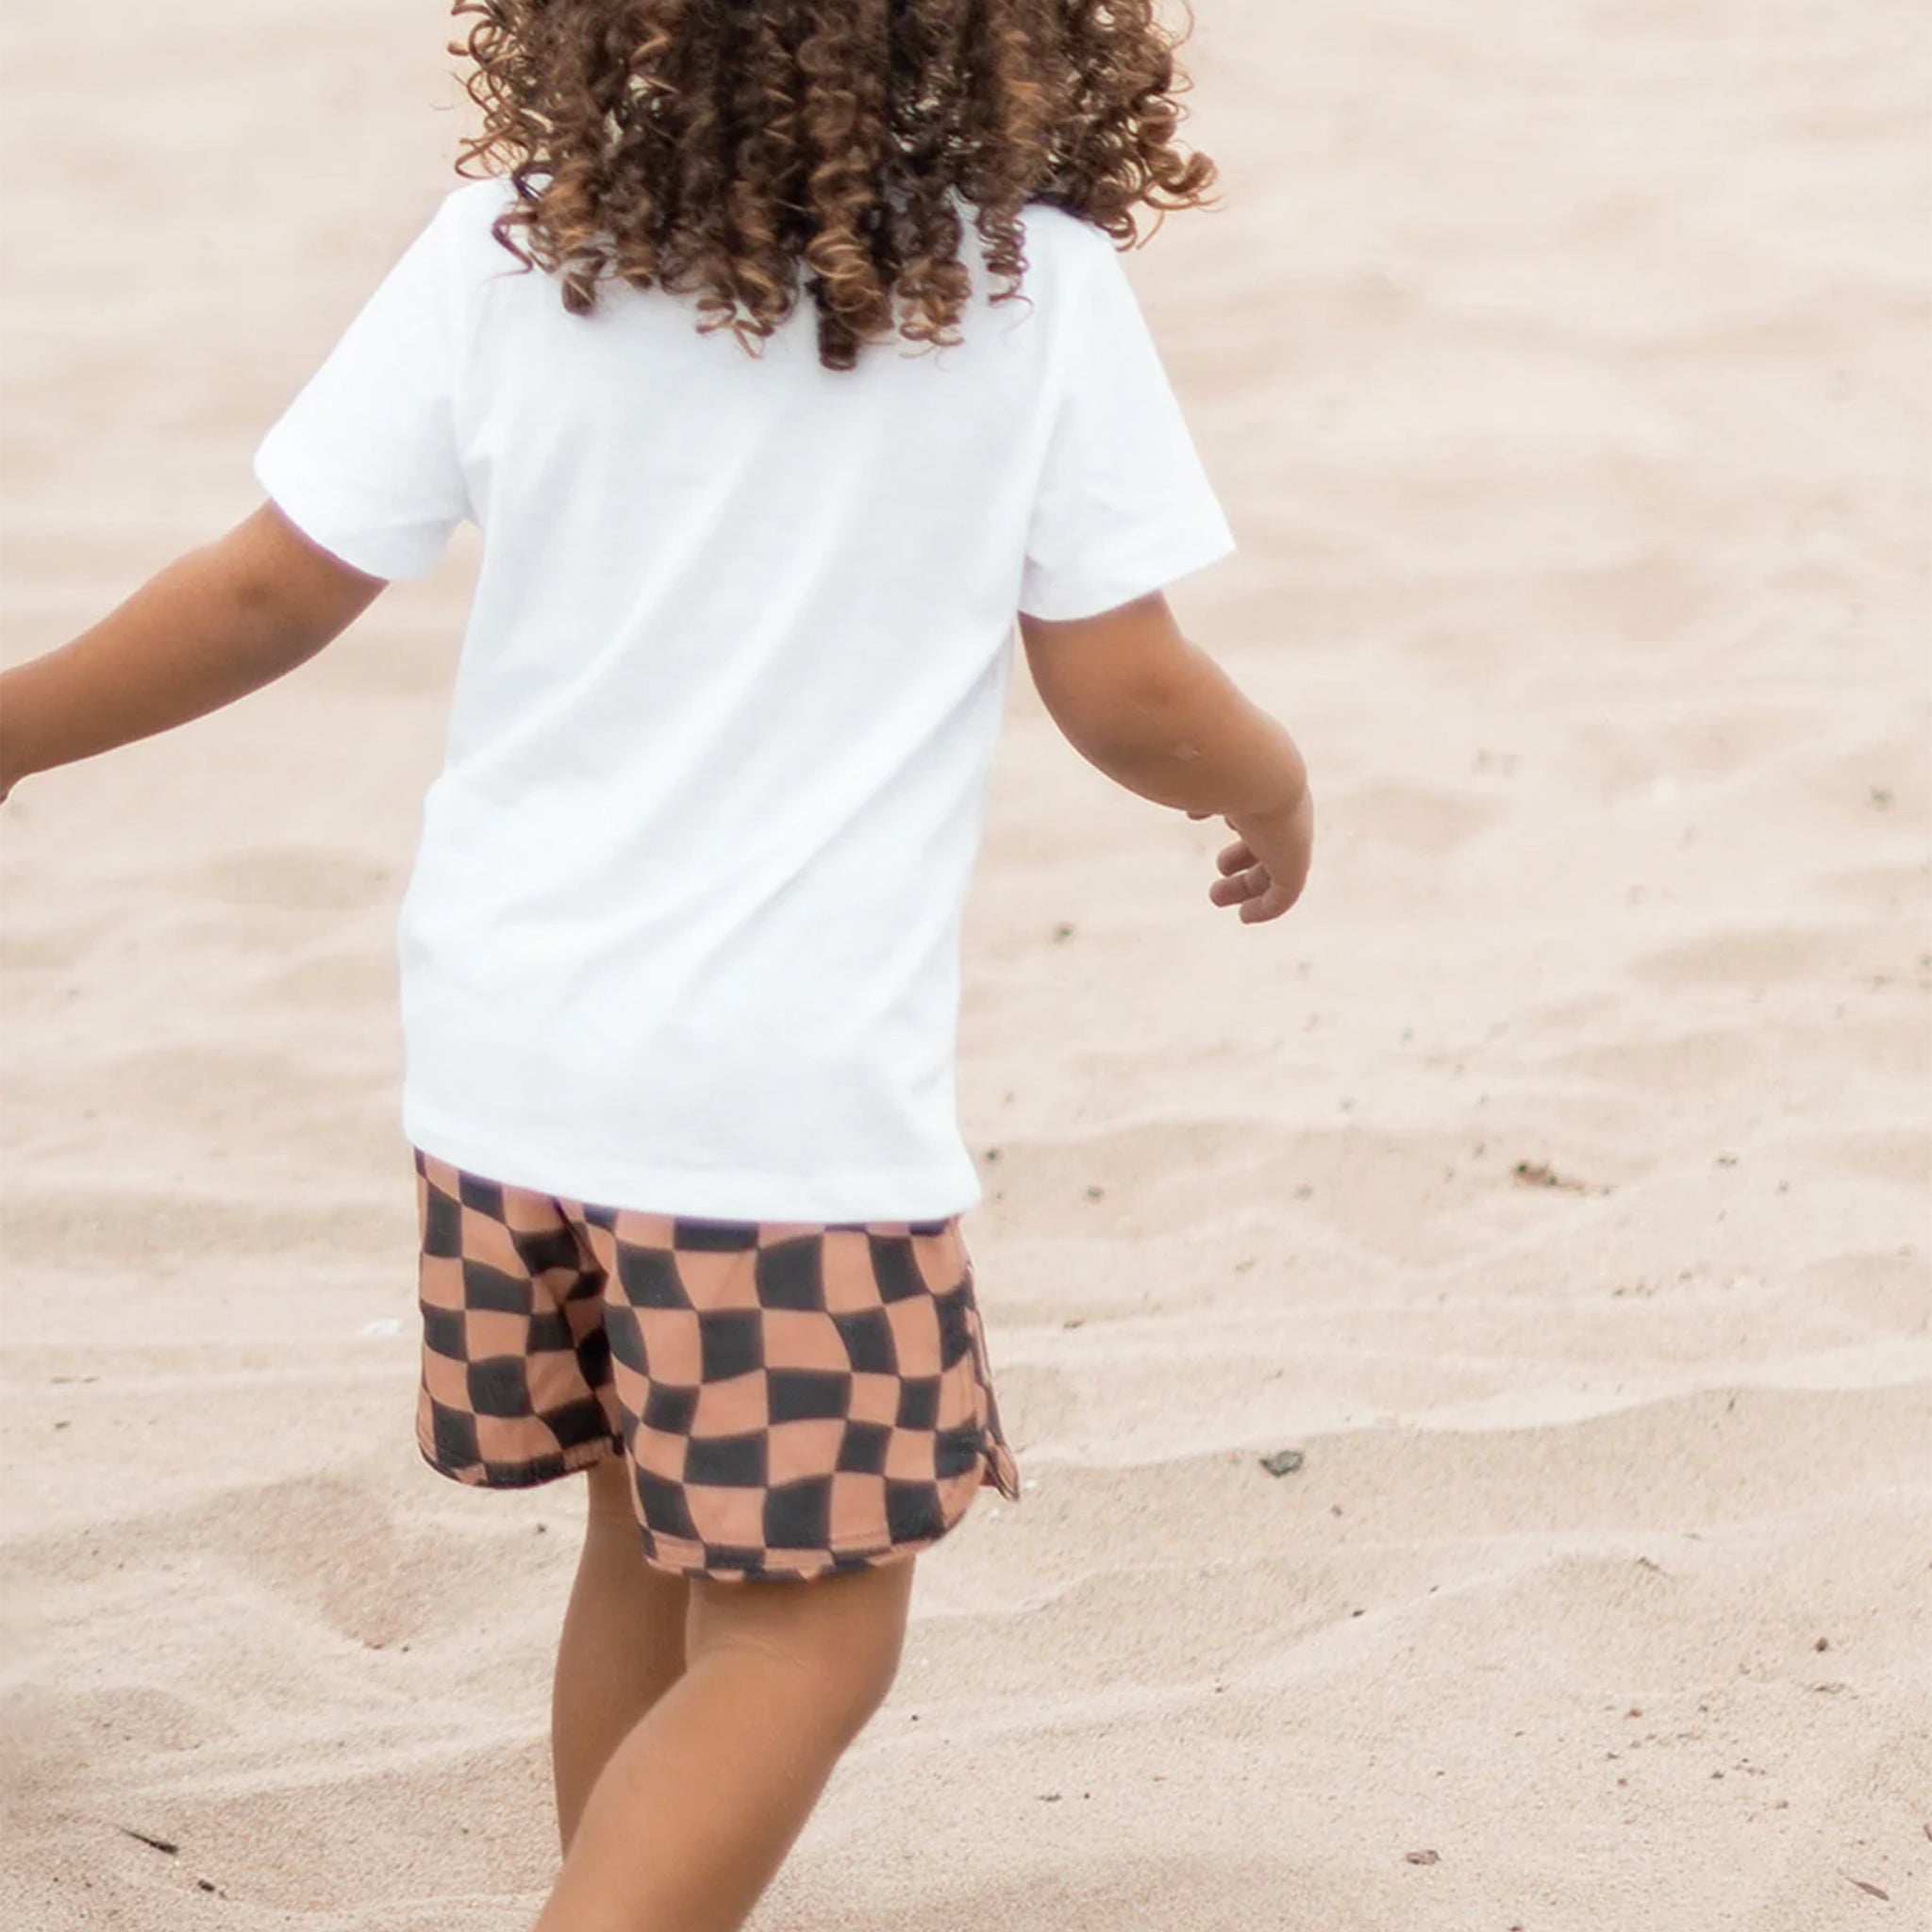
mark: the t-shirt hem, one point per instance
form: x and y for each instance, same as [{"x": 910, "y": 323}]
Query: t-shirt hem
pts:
[
  {"x": 316, "y": 509},
  {"x": 1147, "y": 565},
  {"x": 893, "y": 1195}
]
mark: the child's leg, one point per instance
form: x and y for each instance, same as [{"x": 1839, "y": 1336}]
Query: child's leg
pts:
[
  {"x": 700, "y": 1803},
  {"x": 623, "y": 1643}
]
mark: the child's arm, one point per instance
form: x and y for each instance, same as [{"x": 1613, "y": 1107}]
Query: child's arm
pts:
[
  {"x": 214, "y": 625},
  {"x": 1162, "y": 718}
]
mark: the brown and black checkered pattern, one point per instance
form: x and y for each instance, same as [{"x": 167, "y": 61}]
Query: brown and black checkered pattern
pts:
[{"x": 793, "y": 1400}]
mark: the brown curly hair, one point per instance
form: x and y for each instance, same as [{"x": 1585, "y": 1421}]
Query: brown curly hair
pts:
[{"x": 746, "y": 152}]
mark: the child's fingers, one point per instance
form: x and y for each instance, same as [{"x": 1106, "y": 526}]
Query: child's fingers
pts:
[
  {"x": 1241, "y": 888},
  {"x": 1271, "y": 904},
  {"x": 1236, "y": 857}
]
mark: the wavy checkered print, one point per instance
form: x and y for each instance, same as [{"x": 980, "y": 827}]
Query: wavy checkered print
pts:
[{"x": 793, "y": 1400}]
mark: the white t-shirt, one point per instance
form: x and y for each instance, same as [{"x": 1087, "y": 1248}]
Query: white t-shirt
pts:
[{"x": 683, "y": 931}]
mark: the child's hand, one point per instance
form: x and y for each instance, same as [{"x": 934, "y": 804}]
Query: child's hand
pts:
[{"x": 1264, "y": 871}]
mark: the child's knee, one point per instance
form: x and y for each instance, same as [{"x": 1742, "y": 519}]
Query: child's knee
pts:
[{"x": 836, "y": 1642}]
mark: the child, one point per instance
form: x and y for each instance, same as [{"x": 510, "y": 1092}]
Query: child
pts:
[{"x": 727, "y": 354}]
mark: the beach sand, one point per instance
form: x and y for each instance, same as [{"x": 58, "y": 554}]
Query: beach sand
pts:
[{"x": 1556, "y": 1179}]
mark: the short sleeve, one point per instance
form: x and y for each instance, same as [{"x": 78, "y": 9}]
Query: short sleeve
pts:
[
  {"x": 364, "y": 461},
  {"x": 1124, "y": 507}
]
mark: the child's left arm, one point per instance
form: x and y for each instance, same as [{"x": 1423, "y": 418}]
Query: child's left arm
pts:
[{"x": 218, "y": 623}]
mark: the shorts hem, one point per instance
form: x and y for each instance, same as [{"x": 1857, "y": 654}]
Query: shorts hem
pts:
[
  {"x": 994, "y": 1470},
  {"x": 482, "y": 1475},
  {"x": 997, "y": 1470}
]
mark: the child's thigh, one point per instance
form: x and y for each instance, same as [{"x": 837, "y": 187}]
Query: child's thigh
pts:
[{"x": 840, "y": 1637}]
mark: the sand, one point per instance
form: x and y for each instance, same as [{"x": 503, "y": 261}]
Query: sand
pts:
[{"x": 1555, "y": 1180}]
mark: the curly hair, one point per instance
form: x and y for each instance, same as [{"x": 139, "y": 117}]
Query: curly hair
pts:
[{"x": 750, "y": 153}]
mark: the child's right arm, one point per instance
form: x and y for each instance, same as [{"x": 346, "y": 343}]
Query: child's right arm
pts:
[
  {"x": 216, "y": 624},
  {"x": 1158, "y": 716}
]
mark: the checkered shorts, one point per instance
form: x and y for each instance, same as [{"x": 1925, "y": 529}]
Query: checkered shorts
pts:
[{"x": 792, "y": 1400}]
